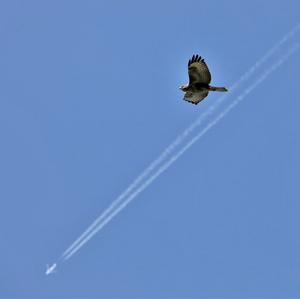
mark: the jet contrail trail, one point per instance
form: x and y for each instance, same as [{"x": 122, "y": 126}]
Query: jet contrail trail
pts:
[
  {"x": 181, "y": 138},
  {"x": 176, "y": 156}
]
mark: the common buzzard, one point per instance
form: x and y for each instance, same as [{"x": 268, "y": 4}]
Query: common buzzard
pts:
[{"x": 200, "y": 77}]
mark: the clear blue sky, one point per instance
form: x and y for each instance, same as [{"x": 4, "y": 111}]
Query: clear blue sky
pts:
[{"x": 89, "y": 97}]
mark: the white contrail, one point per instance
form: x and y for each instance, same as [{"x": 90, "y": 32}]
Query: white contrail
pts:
[
  {"x": 166, "y": 165},
  {"x": 181, "y": 138}
]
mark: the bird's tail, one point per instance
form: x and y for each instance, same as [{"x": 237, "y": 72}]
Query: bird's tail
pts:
[{"x": 214, "y": 88}]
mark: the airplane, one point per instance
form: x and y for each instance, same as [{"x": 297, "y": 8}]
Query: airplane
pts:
[{"x": 51, "y": 270}]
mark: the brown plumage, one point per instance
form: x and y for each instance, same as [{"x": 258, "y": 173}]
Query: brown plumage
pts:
[{"x": 199, "y": 79}]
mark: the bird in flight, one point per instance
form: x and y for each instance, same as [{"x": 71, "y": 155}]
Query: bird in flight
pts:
[{"x": 199, "y": 79}]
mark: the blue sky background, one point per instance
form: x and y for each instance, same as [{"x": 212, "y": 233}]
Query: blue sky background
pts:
[{"x": 89, "y": 97}]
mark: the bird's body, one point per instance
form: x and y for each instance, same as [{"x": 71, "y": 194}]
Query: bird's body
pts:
[{"x": 200, "y": 77}]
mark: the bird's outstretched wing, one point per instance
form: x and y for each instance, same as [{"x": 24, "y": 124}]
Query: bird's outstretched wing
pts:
[
  {"x": 195, "y": 97},
  {"x": 198, "y": 70}
]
